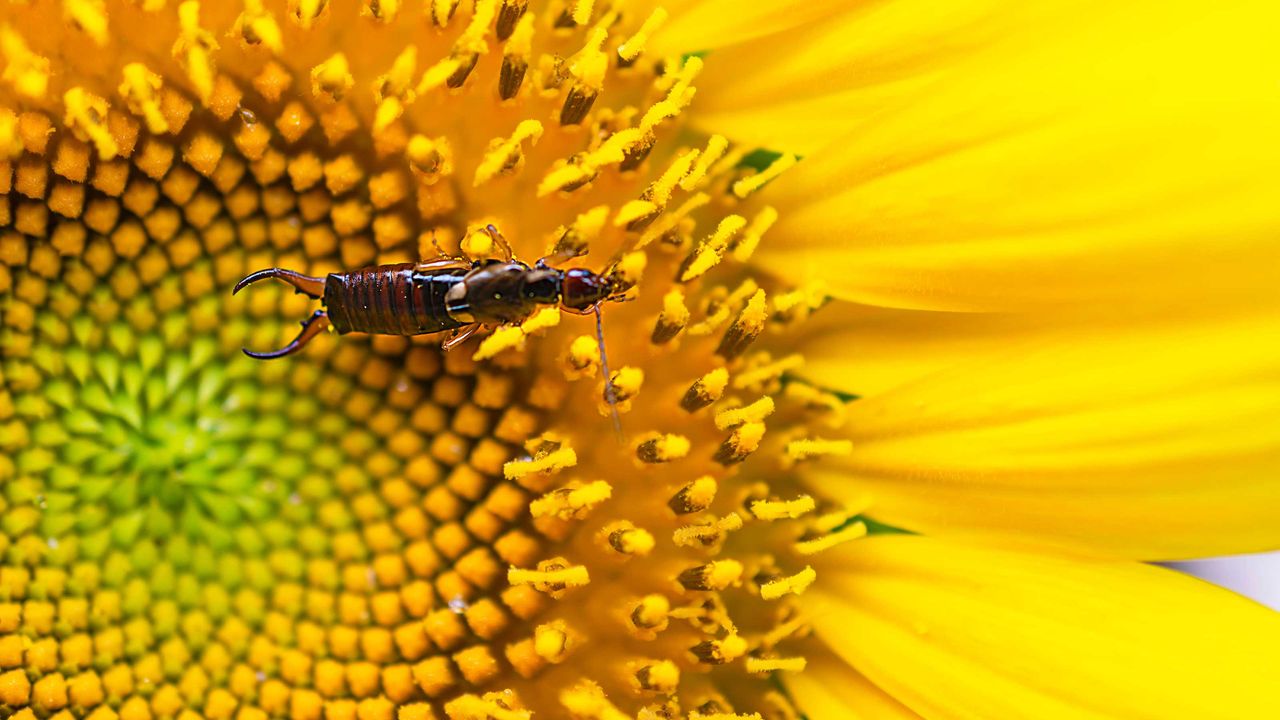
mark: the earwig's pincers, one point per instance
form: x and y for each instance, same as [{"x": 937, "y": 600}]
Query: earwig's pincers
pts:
[
  {"x": 311, "y": 327},
  {"x": 305, "y": 284}
]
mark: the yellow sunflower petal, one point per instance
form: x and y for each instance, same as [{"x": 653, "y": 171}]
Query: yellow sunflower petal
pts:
[
  {"x": 829, "y": 689},
  {"x": 1158, "y": 444},
  {"x": 1089, "y": 160},
  {"x": 710, "y": 24},
  {"x": 866, "y": 350},
  {"x": 956, "y": 631},
  {"x": 797, "y": 90}
]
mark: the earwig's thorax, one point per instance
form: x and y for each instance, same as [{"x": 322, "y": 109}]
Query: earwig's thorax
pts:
[{"x": 493, "y": 294}]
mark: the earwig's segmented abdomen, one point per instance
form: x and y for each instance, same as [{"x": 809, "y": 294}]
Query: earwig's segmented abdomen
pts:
[{"x": 391, "y": 299}]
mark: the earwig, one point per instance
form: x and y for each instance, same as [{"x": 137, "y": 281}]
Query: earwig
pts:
[{"x": 443, "y": 294}]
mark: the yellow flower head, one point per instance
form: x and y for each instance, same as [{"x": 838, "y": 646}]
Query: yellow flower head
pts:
[{"x": 845, "y": 442}]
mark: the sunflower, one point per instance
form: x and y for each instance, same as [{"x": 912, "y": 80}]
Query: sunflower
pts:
[{"x": 943, "y": 321}]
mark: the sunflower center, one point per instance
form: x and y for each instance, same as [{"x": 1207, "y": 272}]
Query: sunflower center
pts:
[{"x": 373, "y": 528}]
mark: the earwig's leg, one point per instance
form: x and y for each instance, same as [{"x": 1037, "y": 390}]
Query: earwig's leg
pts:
[
  {"x": 307, "y": 285},
  {"x": 444, "y": 263},
  {"x": 500, "y": 241},
  {"x": 585, "y": 311},
  {"x": 444, "y": 255},
  {"x": 459, "y": 336},
  {"x": 311, "y": 327},
  {"x": 562, "y": 256}
]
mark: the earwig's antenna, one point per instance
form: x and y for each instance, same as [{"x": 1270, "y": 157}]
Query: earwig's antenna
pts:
[{"x": 609, "y": 394}]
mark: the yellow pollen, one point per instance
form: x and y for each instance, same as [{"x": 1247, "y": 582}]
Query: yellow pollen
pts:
[
  {"x": 194, "y": 50},
  {"x": 716, "y": 147},
  {"x": 568, "y": 176},
  {"x": 471, "y": 43},
  {"x": 478, "y": 244},
  {"x": 555, "y": 575},
  {"x": 663, "y": 448},
  {"x": 90, "y": 16},
  {"x": 332, "y": 78},
  {"x": 544, "y": 319},
  {"x": 705, "y": 390},
  {"x": 760, "y": 224},
  {"x": 763, "y": 374},
  {"x": 680, "y": 95},
  {"x": 574, "y": 239},
  {"x": 305, "y": 13},
  {"x": 584, "y": 355},
  {"x": 672, "y": 220},
  {"x": 553, "y": 461},
  {"x": 627, "y": 382},
  {"x": 715, "y": 575},
  {"x": 706, "y": 534},
  {"x": 744, "y": 440},
  {"x": 634, "y": 211},
  {"x": 384, "y": 11},
  {"x": 755, "y": 412},
  {"x": 429, "y": 159},
  {"x": 719, "y": 652},
  {"x": 551, "y": 642},
  {"x": 504, "y": 155},
  {"x": 748, "y": 185},
  {"x": 814, "y": 398},
  {"x": 745, "y": 328},
  {"x": 764, "y": 665},
  {"x": 393, "y": 92},
  {"x": 25, "y": 70},
  {"x": 630, "y": 269},
  {"x": 814, "y": 447},
  {"x": 633, "y": 46},
  {"x": 437, "y": 75},
  {"x": 780, "y": 509},
  {"x": 626, "y": 539},
  {"x": 795, "y": 584},
  {"x": 662, "y": 676},
  {"x": 582, "y": 11},
  {"x": 515, "y": 57},
  {"x": 587, "y": 700},
  {"x": 830, "y": 540},
  {"x": 572, "y": 500},
  {"x": 509, "y": 337},
  {"x": 590, "y": 63},
  {"x": 798, "y": 624},
  {"x": 798, "y": 303},
  {"x": 442, "y": 11},
  {"x": 672, "y": 319},
  {"x": 86, "y": 116},
  {"x": 649, "y": 616},
  {"x": 256, "y": 26},
  {"x": 140, "y": 90},
  {"x": 471, "y": 707},
  {"x": 712, "y": 249},
  {"x": 660, "y": 191},
  {"x": 694, "y": 497},
  {"x": 696, "y": 715}
]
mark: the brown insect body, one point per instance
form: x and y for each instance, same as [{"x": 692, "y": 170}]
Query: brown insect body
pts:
[
  {"x": 391, "y": 300},
  {"x": 448, "y": 293},
  {"x": 434, "y": 296}
]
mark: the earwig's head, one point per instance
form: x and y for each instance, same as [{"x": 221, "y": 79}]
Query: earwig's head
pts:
[
  {"x": 542, "y": 286},
  {"x": 581, "y": 289}
]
